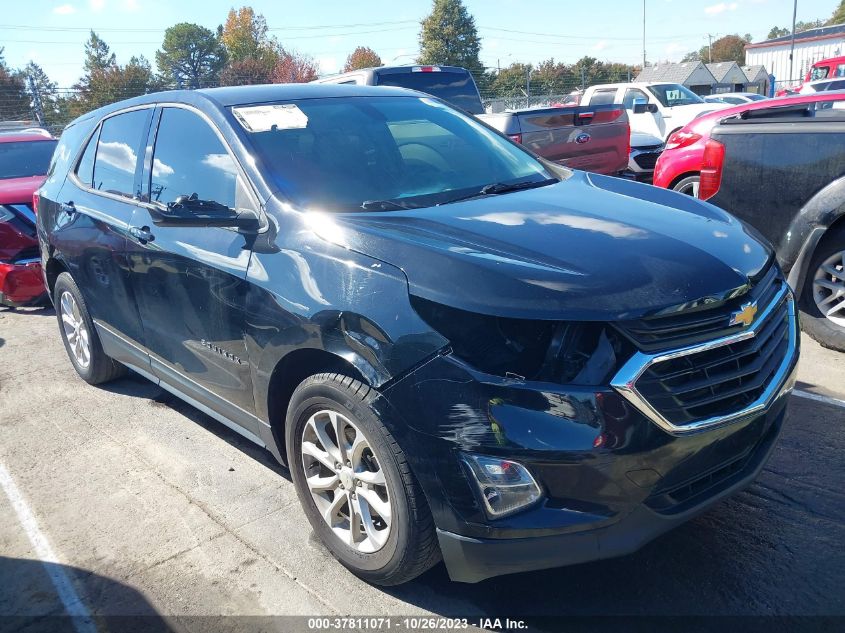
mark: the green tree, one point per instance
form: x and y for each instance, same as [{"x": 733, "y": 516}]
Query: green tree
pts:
[
  {"x": 511, "y": 81},
  {"x": 362, "y": 57},
  {"x": 114, "y": 83},
  {"x": 449, "y": 37},
  {"x": 98, "y": 55},
  {"x": 838, "y": 16},
  {"x": 14, "y": 99},
  {"x": 551, "y": 77},
  {"x": 191, "y": 55},
  {"x": 42, "y": 91}
]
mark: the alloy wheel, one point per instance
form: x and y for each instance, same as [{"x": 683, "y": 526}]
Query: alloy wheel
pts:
[
  {"x": 690, "y": 189},
  {"x": 829, "y": 288},
  {"x": 76, "y": 332},
  {"x": 346, "y": 481}
]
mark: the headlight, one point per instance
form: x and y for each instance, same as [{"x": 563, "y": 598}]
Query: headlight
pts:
[
  {"x": 565, "y": 352},
  {"x": 505, "y": 486}
]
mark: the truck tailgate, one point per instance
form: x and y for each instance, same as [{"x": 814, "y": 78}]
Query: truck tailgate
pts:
[{"x": 590, "y": 138}]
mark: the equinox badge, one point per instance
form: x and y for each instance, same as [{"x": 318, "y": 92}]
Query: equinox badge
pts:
[{"x": 744, "y": 316}]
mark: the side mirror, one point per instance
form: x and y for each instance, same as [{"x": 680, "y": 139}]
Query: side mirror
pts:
[
  {"x": 641, "y": 107},
  {"x": 189, "y": 211}
]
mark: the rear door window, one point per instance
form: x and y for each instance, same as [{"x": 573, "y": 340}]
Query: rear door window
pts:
[
  {"x": 455, "y": 88},
  {"x": 603, "y": 97},
  {"x": 116, "y": 164},
  {"x": 85, "y": 168}
]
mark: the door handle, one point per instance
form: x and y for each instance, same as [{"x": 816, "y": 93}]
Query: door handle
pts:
[
  {"x": 141, "y": 233},
  {"x": 68, "y": 207}
]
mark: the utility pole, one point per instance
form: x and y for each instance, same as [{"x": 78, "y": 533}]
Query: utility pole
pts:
[
  {"x": 36, "y": 100},
  {"x": 644, "y": 59},
  {"x": 709, "y": 48},
  {"x": 792, "y": 46}
]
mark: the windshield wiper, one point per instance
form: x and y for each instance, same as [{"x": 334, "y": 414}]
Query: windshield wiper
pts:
[
  {"x": 496, "y": 188},
  {"x": 384, "y": 205}
]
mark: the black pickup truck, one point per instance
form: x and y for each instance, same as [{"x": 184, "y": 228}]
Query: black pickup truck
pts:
[{"x": 782, "y": 170}]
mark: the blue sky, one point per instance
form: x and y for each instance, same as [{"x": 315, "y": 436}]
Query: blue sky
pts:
[{"x": 52, "y": 32}]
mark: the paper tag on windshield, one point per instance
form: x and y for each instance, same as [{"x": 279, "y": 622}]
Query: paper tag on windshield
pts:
[{"x": 263, "y": 118}]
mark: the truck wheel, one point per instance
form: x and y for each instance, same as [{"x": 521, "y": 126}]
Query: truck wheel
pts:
[
  {"x": 688, "y": 185},
  {"x": 823, "y": 295},
  {"x": 355, "y": 484},
  {"x": 79, "y": 336}
]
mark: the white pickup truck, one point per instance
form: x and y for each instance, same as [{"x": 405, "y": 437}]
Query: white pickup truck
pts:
[{"x": 655, "y": 108}]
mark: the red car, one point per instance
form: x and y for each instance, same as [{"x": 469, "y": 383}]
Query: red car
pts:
[
  {"x": 24, "y": 158},
  {"x": 679, "y": 166}
]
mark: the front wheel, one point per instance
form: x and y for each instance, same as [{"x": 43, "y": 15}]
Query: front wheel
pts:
[
  {"x": 823, "y": 295},
  {"x": 688, "y": 186},
  {"x": 354, "y": 482}
]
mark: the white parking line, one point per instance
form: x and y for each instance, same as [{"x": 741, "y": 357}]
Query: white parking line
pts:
[
  {"x": 82, "y": 621},
  {"x": 836, "y": 402}
]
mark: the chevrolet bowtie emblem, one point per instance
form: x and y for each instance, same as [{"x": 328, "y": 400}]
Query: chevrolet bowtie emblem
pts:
[{"x": 745, "y": 315}]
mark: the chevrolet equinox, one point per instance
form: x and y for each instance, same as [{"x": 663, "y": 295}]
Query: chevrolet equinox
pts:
[{"x": 459, "y": 350}]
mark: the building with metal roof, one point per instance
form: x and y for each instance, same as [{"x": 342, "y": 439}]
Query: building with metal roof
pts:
[{"x": 810, "y": 46}]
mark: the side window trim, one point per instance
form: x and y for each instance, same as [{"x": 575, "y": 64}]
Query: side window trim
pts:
[{"x": 93, "y": 137}]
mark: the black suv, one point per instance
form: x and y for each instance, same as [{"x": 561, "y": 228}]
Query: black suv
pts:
[{"x": 458, "y": 349}]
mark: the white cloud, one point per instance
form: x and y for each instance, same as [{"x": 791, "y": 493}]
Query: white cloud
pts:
[
  {"x": 223, "y": 162},
  {"x": 600, "y": 45},
  {"x": 96, "y": 5},
  {"x": 64, "y": 9},
  {"x": 161, "y": 169},
  {"x": 716, "y": 9},
  {"x": 118, "y": 155}
]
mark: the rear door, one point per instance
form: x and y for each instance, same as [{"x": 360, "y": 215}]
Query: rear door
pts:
[
  {"x": 190, "y": 280},
  {"x": 95, "y": 206}
]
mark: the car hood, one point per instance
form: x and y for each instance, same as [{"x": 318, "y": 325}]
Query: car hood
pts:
[
  {"x": 19, "y": 190},
  {"x": 590, "y": 247},
  {"x": 643, "y": 139}
]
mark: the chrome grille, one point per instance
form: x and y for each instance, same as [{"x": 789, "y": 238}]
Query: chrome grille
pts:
[{"x": 721, "y": 379}]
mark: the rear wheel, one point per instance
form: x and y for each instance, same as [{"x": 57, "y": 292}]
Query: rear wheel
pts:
[
  {"x": 355, "y": 484},
  {"x": 79, "y": 336},
  {"x": 823, "y": 295},
  {"x": 688, "y": 186}
]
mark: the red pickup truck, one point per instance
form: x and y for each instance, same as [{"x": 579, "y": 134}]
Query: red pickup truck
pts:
[{"x": 24, "y": 158}]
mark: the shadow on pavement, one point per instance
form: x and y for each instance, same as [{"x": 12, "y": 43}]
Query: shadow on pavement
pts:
[{"x": 30, "y": 602}]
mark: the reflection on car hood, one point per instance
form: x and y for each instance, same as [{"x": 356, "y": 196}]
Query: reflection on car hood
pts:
[{"x": 590, "y": 247}]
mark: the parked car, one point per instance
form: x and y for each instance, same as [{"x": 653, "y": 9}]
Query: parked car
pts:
[
  {"x": 458, "y": 349},
  {"x": 657, "y": 108},
  {"x": 645, "y": 150},
  {"x": 679, "y": 166},
  {"x": 735, "y": 98},
  {"x": 453, "y": 84},
  {"x": 823, "y": 85},
  {"x": 796, "y": 158},
  {"x": 590, "y": 138},
  {"x": 829, "y": 68},
  {"x": 24, "y": 157}
]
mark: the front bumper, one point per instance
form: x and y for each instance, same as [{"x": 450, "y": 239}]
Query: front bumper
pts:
[
  {"x": 612, "y": 478},
  {"x": 21, "y": 283}
]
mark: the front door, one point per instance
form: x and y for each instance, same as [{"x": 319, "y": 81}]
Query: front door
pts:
[{"x": 189, "y": 282}]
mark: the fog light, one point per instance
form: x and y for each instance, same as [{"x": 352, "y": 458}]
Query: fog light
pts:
[{"x": 505, "y": 486}]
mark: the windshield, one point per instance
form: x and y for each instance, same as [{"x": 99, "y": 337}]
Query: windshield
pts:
[
  {"x": 338, "y": 154},
  {"x": 671, "y": 95},
  {"x": 819, "y": 72},
  {"x": 455, "y": 88},
  {"x": 19, "y": 159}
]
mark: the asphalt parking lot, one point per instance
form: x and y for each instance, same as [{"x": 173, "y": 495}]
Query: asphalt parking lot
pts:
[{"x": 140, "y": 504}]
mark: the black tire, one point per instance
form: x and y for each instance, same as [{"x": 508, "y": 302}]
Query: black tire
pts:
[
  {"x": 813, "y": 322},
  {"x": 685, "y": 185},
  {"x": 411, "y": 546},
  {"x": 101, "y": 368}
]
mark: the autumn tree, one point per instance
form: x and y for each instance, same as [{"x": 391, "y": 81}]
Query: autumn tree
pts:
[
  {"x": 730, "y": 48},
  {"x": 191, "y": 55},
  {"x": 246, "y": 72},
  {"x": 294, "y": 68},
  {"x": 362, "y": 57},
  {"x": 448, "y": 36},
  {"x": 245, "y": 35}
]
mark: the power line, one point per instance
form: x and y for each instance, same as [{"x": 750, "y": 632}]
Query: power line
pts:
[{"x": 28, "y": 27}]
